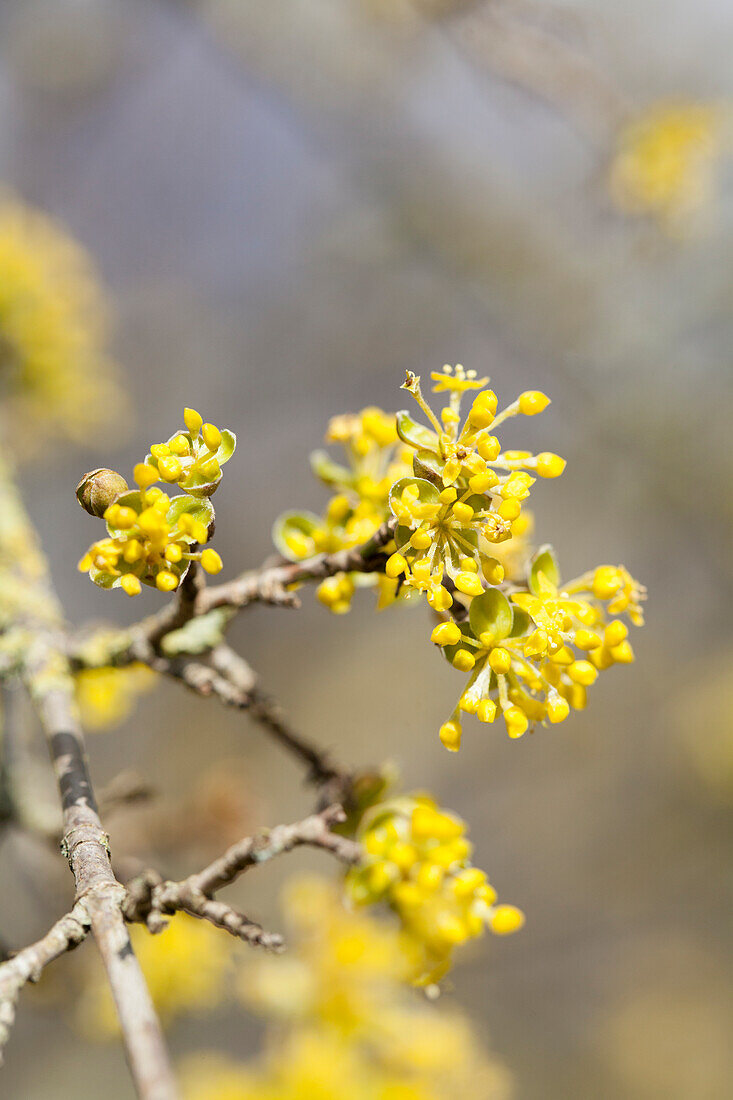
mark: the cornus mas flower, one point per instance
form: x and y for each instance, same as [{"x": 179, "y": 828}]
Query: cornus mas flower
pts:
[
  {"x": 465, "y": 494},
  {"x": 531, "y": 647},
  {"x": 417, "y": 861},
  {"x": 360, "y": 504},
  {"x": 532, "y": 656},
  {"x": 152, "y": 539},
  {"x": 192, "y": 459}
]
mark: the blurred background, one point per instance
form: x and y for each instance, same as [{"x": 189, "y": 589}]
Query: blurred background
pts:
[{"x": 291, "y": 203}]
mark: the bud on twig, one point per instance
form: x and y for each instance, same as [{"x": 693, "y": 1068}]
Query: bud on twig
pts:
[{"x": 98, "y": 489}]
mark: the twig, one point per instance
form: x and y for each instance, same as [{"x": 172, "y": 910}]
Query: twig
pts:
[
  {"x": 230, "y": 679},
  {"x": 334, "y": 781},
  {"x": 271, "y": 585},
  {"x": 150, "y": 898},
  {"x": 27, "y": 965}
]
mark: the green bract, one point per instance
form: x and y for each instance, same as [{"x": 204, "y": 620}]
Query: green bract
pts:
[
  {"x": 427, "y": 492},
  {"x": 415, "y": 434},
  {"x": 289, "y": 530},
  {"x": 329, "y": 472},
  {"x": 202, "y": 467},
  {"x": 491, "y": 616},
  {"x": 545, "y": 562}
]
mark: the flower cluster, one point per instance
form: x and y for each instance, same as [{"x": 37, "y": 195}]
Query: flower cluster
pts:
[
  {"x": 192, "y": 459},
  {"x": 466, "y": 493},
  {"x": 360, "y": 503},
  {"x": 342, "y": 970},
  {"x": 664, "y": 159},
  {"x": 55, "y": 376},
  {"x": 462, "y": 538},
  {"x": 418, "y": 862},
  {"x": 153, "y": 538},
  {"x": 532, "y": 656},
  {"x": 345, "y": 1021}
]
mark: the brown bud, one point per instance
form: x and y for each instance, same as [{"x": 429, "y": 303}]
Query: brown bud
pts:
[{"x": 98, "y": 489}]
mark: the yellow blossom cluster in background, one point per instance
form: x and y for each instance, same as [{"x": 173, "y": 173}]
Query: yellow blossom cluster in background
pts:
[
  {"x": 56, "y": 378},
  {"x": 187, "y": 967},
  {"x": 106, "y": 696},
  {"x": 664, "y": 160},
  {"x": 418, "y": 862},
  {"x": 153, "y": 538},
  {"x": 360, "y": 504},
  {"x": 343, "y": 1018}
]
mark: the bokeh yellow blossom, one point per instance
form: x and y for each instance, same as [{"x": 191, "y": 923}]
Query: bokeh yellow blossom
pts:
[
  {"x": 313, "y": 1064},
  {"x": 344, "y": 1021},
  {"x": 106, "y": 696},
  {"x": 56, "y": 378},
  {"x": 344, "y": 969},
  {"x": 664, "y": 160}
]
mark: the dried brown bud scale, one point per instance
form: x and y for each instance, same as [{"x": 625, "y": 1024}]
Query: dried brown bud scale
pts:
[{"x": 98, "y": 489}]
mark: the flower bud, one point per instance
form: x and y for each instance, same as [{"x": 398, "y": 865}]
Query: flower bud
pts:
[{"x": 98, "y": 489}]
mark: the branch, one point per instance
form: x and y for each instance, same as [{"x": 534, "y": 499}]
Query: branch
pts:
[
  {"x": 27, "y": 965},
  {"x": 271, "y": 584},
  {"x": 150, "y": 899},
  {"x": 334, "y": 781},
  {"x": 268, "y": 584},
  {"x": 229, "y": 678},
  {"x": 31, "y": 617}
]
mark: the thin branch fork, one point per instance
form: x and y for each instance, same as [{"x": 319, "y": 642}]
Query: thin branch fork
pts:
[{"x": 150, "y": 898}]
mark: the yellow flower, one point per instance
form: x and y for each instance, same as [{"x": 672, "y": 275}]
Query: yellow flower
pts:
[
  {"x": 153, "y": 538},
  {"x": 192, "y": 458},
  {"x": 310, "y": 1063},
  {"x": 55, "y": 374},
  {"x": 340, "y": 969},
  {"x": 418, "y": 862},
  {"x": 466, "y": 493},
  {"x": 458, "y": 382},
  {"x": 664, "y": 160},
  {"x": 532, "y": 657},
  {"x": 107, "y": 695},
  {"x": 357, "y": 509}
]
